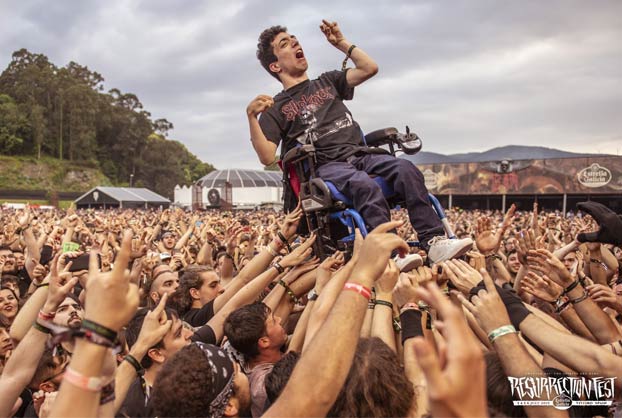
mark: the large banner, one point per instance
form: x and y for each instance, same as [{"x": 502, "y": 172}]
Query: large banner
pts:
[{"x": 556, "y": 176}]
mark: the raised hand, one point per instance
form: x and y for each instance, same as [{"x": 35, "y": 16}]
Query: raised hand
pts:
[
  {"x": 259, "y": 104},
  {"x": 332, "y": 32},
  {"x": 111, "y": 300},
  {"x": 291, "y": 221},
  {"x": 386, "y": 282},
  {"x": 488, "y": 242},
  {"x": 462, "y": 275},
  {"x": 487, "y": 306},
  {"x": 457, "y": 385},
  {"x": 60, "y": 284},
  {"x": 376, "y": 250},
  {"x": 298, "y": 255},
  {"x": 605, "y": 296},
  {"x": 541, "y": 287},
  {"x": 155, "y": 326},
  {"x": 545, "y": 263}
]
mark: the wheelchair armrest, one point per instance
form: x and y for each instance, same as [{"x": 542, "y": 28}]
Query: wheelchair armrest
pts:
[
  {"x": 297, "y": 154},
  {"x": 381, "y": 137}
]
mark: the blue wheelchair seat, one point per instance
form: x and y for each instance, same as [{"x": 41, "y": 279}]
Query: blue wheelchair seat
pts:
[{"x": 387, "y": 190}]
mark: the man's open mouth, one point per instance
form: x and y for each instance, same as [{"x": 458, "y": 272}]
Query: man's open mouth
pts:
[{"x": 300, "y": 54}]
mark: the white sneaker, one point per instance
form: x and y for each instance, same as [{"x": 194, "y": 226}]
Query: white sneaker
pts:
[
  {"x": 409, "y": 262},
  {"x": 442, "y": 248}
]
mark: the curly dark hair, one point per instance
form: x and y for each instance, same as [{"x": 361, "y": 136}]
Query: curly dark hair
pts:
[
  {"x": 245, "y": 326},
  {"x": 279, "y": 376},
  {"x": 184, "y": 386},
  {"x": 265, "y": 53},
  {"x": 376, "y": 385}
]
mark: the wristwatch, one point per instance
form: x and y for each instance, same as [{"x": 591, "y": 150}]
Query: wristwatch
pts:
[{"x": 312, "y": 295}]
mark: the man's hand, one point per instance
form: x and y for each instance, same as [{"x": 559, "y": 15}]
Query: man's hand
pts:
[
  {"x": 541, "y": 287},
  {"x": 332, "y": 32},
  {"x": 462, "y": 275},
  {"x": 290, "y": 224},
  {"x": 259, "y": 104},
  {"x": 299, "y": 254},
  {"x": 457, "y": 380}
]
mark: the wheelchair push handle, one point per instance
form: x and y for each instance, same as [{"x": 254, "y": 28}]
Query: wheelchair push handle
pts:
[{"x": 409, "y": 142}]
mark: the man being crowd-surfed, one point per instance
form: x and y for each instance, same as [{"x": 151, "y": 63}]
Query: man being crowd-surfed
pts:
[{"x": 313, "y": 110}]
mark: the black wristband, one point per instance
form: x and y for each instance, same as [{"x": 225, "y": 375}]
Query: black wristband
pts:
[
  {"x": 411, "y": 324},
  {"x": 384, "y": 303},
  {"x": 278, "y": 268},
  {"x": 517, "y": 311},
  {"x": 100, "y": 330},
  {"x": 571, "y": 287},
  {"x": 285, "y": 241},
  {"x": 135, "y": 364}
]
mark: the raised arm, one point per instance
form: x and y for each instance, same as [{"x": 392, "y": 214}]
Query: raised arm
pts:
[
  {"x": 365, "y": 66},
  {"x": 264, "y": 148}
]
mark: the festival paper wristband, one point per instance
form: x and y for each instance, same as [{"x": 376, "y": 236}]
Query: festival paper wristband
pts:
[
  {"x": 358, "y": 288},
  {"x": 92, "y": 384},
  {"x": 501, "y": 331}
]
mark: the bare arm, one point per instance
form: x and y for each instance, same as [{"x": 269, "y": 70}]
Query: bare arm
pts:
[
  {"x": 264, "y": 148},
  {"x": 365, "y": 66}
]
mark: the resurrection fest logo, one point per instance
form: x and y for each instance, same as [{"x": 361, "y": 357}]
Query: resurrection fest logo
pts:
[{"x": 562, "y": 391}]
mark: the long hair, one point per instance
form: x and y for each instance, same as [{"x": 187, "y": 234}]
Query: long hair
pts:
[{"x": 376, "y": 386}]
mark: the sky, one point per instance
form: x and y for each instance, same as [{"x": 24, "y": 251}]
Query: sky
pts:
[{"x": 465, "y": 75}]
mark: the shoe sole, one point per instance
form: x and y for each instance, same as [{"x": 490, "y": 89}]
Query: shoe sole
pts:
[
  {"x": 460, "y": 253},
  {"x": 418, "y": 262}
]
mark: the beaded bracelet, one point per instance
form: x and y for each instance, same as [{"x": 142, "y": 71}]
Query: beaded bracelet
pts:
[
  {"x": 289, "y": 291},
  {"x": 358, "y": 288},
  {"x": 501, "y": 331}
]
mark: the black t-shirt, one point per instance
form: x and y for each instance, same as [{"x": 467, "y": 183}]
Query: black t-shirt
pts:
[
  {"x": 24, "y": 281},
  {"x": 314, "y": 111},
  {"x": 135, "y": 400},
  {"x": 198, "y": 317}
]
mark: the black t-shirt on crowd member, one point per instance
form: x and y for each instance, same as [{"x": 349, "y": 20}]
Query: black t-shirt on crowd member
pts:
[
  {"x": 315, "y": 109},
  {"x": 199, "y": 316},
  {"x": 24, "y": 281}
]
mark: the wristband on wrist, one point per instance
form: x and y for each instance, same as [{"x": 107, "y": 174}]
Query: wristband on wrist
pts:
[
  {"x": 348, "y": 54},
  {"x": 272, "y": 251},
  {"x": 100, "y": 330},
  {"x": 358, "y": 288},
  {"x": 44, "y": 316},
  {"x": 410, "y": 320},
  {"x": 501, "y": 331},
  {"x": 135, "y": 364},
  {"x": 581, "y": 298},
  {"x": 92, "y": 384},
  {"x": 41, "y": 328},
  {"x": 289, "y": 291},
  {"x": 384, "y": 303},
  {"x": 571, "y": 287},
  {"x": 284, "y": 241},
  {"x": 278, "y": 268},
  {"x": 371, "y": 304}
]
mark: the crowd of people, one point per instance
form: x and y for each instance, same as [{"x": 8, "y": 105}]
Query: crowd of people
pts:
[{"x": 161, "y": 313}]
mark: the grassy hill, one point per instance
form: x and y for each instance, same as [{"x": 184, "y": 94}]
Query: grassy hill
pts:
[{"x": 28, "y": 173}]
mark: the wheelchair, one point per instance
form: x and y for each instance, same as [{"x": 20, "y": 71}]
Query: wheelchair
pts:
[{"x": 329, "y": 213}]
